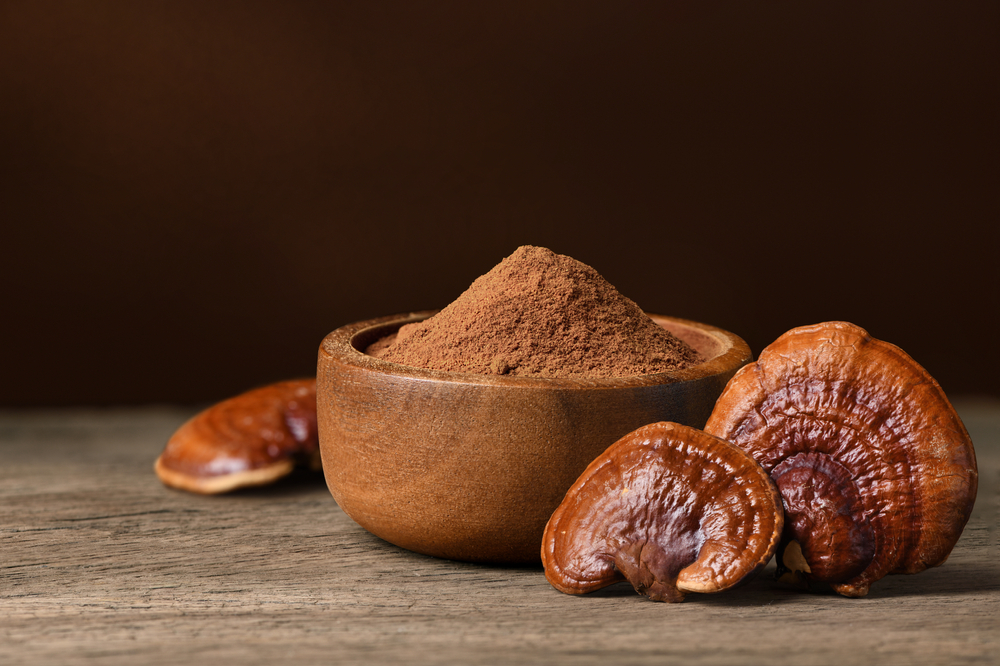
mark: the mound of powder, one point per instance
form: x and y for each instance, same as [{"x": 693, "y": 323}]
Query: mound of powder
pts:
[{"x": 540, "y": 314}]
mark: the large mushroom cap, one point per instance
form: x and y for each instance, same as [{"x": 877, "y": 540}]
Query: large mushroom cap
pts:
[
  {"x": 877, "y": 472},
  {"x": 669, "y": 508},
  {"x": 251, "y": 439}
]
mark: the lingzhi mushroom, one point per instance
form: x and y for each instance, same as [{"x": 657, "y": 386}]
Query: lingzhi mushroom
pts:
[
  {"x": 876, "y": 470},
  {"x": 252, "y": 439},
  {"x": 669, "y": 508}
]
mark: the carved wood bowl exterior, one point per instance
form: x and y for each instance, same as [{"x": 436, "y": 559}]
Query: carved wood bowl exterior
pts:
[{"x": 470, "y": 467}]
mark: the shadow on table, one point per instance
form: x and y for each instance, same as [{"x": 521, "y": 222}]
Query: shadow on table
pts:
[
  {"x": 967, "y": 579},
  {"x": 299, "y": 482}
]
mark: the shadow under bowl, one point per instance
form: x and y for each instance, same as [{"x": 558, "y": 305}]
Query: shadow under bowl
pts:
[{"x": 470, "y": 467}]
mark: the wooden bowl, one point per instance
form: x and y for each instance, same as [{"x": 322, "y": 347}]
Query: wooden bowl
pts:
[{"x": 470, "y": 467}]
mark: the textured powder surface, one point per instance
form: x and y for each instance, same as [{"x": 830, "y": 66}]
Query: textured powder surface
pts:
[{"x": 542, "y": 314}]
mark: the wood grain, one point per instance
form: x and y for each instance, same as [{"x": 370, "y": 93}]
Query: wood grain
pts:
[{"x": 100, "y": 563}]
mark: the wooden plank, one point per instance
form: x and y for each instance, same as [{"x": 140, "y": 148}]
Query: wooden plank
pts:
[{"x": 100, "y": 563}]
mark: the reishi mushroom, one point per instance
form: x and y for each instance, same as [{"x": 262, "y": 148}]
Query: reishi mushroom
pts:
[
  {"x": 252, "y": 439},
  {"x": 876, "y": 470},
  {"x": 669, "y": 508}
]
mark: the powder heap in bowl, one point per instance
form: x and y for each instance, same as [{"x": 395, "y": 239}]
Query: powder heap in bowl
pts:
[{"x": 540, "y": 314}]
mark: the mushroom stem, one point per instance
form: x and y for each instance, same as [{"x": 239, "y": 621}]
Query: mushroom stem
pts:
[
  {"x": 652, "y": 570},
  {"x": 824, "y": 518}
]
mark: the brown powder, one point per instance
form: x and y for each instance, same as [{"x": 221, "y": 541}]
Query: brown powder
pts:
[{"x": 540, "y": 314}]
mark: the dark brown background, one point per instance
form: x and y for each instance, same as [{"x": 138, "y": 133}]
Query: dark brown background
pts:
[{"x": 193, "y": 193}]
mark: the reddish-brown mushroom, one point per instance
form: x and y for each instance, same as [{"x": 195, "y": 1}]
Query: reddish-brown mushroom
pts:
[
  {"x": 669, "y": 508},
  {"x": 250, "y": 440},
  {"x": 877, "y": 472}
]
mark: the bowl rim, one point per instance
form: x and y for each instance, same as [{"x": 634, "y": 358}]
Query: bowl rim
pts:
[{"x": 339, "y": 346}]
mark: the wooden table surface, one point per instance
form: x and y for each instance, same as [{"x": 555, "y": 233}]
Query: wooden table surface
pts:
[{"x": 99, "y": 563}]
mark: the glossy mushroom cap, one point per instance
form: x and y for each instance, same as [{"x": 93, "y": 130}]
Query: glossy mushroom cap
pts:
[
  {"x": 669, "y": 508},
  {"x": 250, "y": 440},
  {"x": 877, "y": 472}
]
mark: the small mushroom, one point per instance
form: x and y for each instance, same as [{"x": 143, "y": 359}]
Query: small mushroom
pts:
[
  {"x": 669, "y": 508},
  {"x": 252, "y": 439},
  {"x": 876, "y": 471}
]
